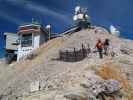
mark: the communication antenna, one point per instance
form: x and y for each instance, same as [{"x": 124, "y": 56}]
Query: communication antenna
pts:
[
  {"x": 77, "y": 7},
  {"x": 32, "y": 20},
  {"x": 77, "y": 2}
]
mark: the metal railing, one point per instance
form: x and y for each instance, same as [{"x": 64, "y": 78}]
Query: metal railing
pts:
[{"x": 74, "y": 55}]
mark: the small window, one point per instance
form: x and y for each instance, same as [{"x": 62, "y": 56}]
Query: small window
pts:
[{"x": 26, "y": 40}]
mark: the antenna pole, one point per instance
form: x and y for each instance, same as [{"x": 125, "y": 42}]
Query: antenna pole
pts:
[
  {"x": 33, "y": 21},
  {"x": 77, "y": 2}
]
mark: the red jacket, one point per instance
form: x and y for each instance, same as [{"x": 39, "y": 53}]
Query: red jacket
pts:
[{"x": 99, "y": 45}]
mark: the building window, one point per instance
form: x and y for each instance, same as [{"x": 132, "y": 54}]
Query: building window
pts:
[{"x": 26, "y": 40}]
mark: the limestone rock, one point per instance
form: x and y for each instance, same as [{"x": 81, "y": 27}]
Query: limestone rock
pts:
[
  {"x": 45, "y": 67},
  {"x": 34, "y": 86},
  {"x": 127, "y": 49},
  {"x": 76, "y": 94},
  {"x": 98, "y": 86},
  {"x": 112, "y": 86}
]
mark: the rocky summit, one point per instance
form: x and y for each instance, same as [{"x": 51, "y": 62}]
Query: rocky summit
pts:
[{"x": 45, "y": 76}]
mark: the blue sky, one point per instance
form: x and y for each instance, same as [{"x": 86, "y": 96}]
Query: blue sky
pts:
[{"x": 59, "y": 14}]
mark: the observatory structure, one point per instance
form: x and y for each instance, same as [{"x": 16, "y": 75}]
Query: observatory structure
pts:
[
  {"x": 114, "y": 31},
  {"x": 81, "y": 17}
]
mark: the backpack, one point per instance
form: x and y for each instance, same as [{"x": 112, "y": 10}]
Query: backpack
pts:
[
  {"x": 106, "y": 42},
  {"x": 99, "y": 45}
]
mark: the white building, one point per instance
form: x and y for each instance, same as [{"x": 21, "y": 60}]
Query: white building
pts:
[
  {"x": 10, "y": 46},
  {"x": 31, "y": 36},
  {"x": 114, "y": 31}
]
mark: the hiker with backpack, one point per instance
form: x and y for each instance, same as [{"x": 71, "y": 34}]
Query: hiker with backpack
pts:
[
  {"x": 106, "y": 45},
  {"x": 99, "y": 46}
]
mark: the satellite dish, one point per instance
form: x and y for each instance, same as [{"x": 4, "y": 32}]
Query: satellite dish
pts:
[
  {"x": 75, "y": 18},
  {"x": 77, "y": 8},
  {"x": 80, "y": 16},
  {"x": 48, "y": 26},
  {"x": 114, "y": 31},
  {"x": 86, "y": 16}
]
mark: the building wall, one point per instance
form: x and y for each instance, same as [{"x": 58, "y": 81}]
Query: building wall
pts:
[
  {"x": 36, "y": 41},
  {"x": 11, "y": 39},
  {"x": 23, "y": 52},
  {"x": 43, "y": 38}
]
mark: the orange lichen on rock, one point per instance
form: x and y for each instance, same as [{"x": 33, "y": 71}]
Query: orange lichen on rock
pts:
[{"x": 112, "y": 71}]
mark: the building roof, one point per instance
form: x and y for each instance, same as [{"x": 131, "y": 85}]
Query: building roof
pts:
[
  {"x": 27, "y": 28},
  {"x": 33, "y": 27},
  {"x": 9, "y": 33}
]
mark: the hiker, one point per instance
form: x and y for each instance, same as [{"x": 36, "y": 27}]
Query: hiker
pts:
[
  {"x": 88, "y": 50},
  {"x": 106, "y": 45},
  {"x": 99, "y": 46}
]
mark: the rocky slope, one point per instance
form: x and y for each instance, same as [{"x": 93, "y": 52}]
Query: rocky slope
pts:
[{"x": 58, "y": 80}]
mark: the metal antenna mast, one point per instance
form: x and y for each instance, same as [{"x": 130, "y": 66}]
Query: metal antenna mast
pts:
[{"x": 77, "y": 2}]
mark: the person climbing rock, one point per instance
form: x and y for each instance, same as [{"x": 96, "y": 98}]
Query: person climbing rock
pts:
[
  {"x": 99, "y": 46},
  {"x": 106, "y": 45}
]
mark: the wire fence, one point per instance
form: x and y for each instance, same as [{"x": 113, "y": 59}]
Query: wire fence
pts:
[{"x": 74, "y": 55}]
